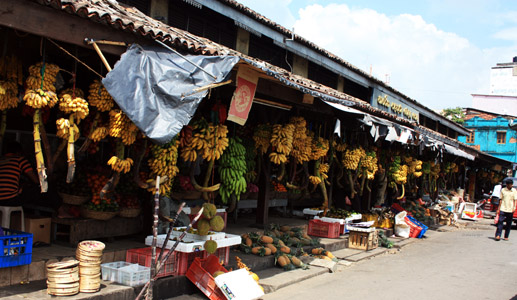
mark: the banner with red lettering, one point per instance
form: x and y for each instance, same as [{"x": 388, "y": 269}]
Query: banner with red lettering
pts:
[{"x": 242, "y": 99}]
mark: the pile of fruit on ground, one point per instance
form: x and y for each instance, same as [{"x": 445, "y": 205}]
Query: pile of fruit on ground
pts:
[{"x": 285, "y": 244}]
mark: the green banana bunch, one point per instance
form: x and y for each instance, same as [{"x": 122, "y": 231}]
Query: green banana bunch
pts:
[{"x": 232, "y": 170}]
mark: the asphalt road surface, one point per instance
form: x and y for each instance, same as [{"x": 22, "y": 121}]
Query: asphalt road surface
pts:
[{"x": 463, "y": 264}]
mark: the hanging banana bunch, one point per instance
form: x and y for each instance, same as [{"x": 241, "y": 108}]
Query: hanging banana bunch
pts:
[
  {"x": 352, "y": 161},
  {"x": 262, "y": 138},
  {"x": 11, "y": 73},
  {"x": 319, "y": 149},
  {"x": 282, "y": 143},
  {"x": 163, "y": 163},
  {"x": 41, "y": 92},
  {"x": 99, "y": 97},
  {"x": 251, "y": 163},
  {"x": 188, "y": 150},
  {"x": 301, "y": 149},
  {"x": 78, "y": 109},
  {"x": 232, "y": 170},
  {"x": 369, "y": 167},
  {"x": 397, "y": 173}
]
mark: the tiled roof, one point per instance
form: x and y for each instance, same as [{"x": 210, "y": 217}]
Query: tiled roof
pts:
[{"x": 122, "y": 17}]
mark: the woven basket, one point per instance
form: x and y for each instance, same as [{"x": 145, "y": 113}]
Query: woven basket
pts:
[
  {"x": 98, "y": 215},
  {"x": 127, "y": 212},
  {"x": 73, "y": 199}
]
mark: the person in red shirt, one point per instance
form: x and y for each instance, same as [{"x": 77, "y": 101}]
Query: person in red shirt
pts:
[
  {"x": 16, "y": 190},
  {"x": 13, "y": 166}
]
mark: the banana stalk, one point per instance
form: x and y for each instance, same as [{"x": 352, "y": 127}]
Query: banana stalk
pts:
[
  {"x": 46, "y": 148},
  {"x": 282, "y": 172},
  {"x": 351, "y": 183},
  {"x": 322, "y": 186},
  {"x": 207, "y": 178},
  {"x": 3, "y": 126},
  {"x": 88, "y": 141},
  {"x": 70, "y": 152},
  {"x": 362, "y": 182},
  {"x": 113, "y": 181},
  {"x": 40, "y": 161}
]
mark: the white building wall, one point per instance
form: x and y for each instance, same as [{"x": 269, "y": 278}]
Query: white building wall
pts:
[
  {"x": 503, "y": 81},
  {"x": 504, "y": 105}
]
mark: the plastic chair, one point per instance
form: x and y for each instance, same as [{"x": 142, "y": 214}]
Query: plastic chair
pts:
[{"x": 6, "y": 215}]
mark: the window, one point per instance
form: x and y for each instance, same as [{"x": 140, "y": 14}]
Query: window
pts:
[
  {"x": 501, "y": 137},
  {"x": 470, "y": 137}
]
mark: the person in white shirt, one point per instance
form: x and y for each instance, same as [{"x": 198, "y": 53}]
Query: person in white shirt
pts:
[
  {"x": 496, "y": 195},
  {"x": 506, "y": 209}
]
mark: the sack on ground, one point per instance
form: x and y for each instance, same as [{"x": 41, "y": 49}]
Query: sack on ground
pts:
[{"x": 401, "y": 227}]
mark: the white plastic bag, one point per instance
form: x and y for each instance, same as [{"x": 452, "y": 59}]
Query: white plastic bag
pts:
[{"x": 401, "y": 227}]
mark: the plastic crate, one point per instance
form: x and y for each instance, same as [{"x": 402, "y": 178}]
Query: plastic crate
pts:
[
  {"x": 421, "y": 225},
  {"x": 126, "y": 273},
  {"x": 15, "y": 248},
  {"x": 200, "y": 273},
  {"x": 176, "y": 264},
  {"x": 324, "y": 229},
  {"x": 414, "y": 229}
]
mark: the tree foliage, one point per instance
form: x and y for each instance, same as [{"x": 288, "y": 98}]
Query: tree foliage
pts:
[{"x": 454, "y": 114}]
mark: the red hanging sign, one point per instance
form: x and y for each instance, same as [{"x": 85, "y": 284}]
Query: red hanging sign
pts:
[{"x": 242, "y": 99}]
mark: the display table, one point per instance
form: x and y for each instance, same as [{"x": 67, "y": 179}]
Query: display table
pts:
[
  {"x": 250, "y": 203},
  {"x": 79, "y": 229}
]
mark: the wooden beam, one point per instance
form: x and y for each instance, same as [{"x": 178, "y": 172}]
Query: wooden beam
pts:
[
  {"x": 277, "y": 90},
  {"x": 37, "y": 19}
]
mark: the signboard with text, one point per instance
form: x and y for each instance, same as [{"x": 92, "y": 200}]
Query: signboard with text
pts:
[
  {"x": 389, "y": 104},
  {"x": 242, "y": 99}
]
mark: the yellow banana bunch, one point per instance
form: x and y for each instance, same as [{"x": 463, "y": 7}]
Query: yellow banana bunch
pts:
[
  {"x": 314, "y": 180},
  {"x": 324, "y": 169},
  {"x": 208, "y": 140},
  {"x": 277, "y": 158},
  {"x": 163, "y": 163},
  {"x": 414, "y": 166},
  {"x": 188, "y": 153},
  {"x": 42, "y": 76},
  {"x": 99, "y": 97},
  {"x": 435, "y": 170},
  {"x": 78, "y": 107},
  {"x": 282, "y": 138},
  {"x": 370, "y": 164},
  {"x": 319, "y": 148},
  {"x": 352, "y": 157},
  {"x": 8, "y": 94},
  {"x": 63, "y": 129},
  {"x": 120, "y": 126},
  {"x": 120, "y": 165},
  {"x": 11, "y": 69},
  {"x": 40, "y": 98},
  {"x": 262, "y": 137},
  {"x": 302, "y": 141},
  {"x": 340, "y": 147},
  {"x": 73, "y": 92},
  {"x": 98, "y": 134}
]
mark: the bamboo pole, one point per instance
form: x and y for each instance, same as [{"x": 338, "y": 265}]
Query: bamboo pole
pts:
[
  {"x": 40, "y": 161},
  {"x": 149, "y": 295}
]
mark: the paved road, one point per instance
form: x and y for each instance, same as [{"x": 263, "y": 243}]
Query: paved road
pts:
[{"x": 463, "y": 264}]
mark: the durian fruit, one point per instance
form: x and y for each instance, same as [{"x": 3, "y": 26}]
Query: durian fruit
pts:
[
  {"x": 209, "y": 210},
  {"x": 203, "y": 226},
  {"x": 217, "y": 223},
  {"x": 210, "y": 246}
]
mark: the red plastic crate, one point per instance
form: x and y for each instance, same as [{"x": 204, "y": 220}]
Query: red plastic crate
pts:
[
  {"x": 414, "y": 229},
  {"x": 200, "y": 273},
  {"x": 324, "y": 229},
  {"x": 177, "y": 264},
  {"x": 223, "y": 254},
  {"x": 224, "y": 215}
]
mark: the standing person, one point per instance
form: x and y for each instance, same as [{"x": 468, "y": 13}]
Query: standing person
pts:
[
  {"x": 505, "y": 210},
  {"x": 496, "y": 195}
]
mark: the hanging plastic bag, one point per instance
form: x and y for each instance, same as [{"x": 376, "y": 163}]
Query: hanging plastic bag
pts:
[{"x": 401, "y": 227}]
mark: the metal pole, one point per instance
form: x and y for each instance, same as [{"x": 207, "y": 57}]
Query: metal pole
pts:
[{"x": 177, "y": 53}]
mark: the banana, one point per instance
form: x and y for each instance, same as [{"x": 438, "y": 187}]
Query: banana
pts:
[{"x": 232, "y": 170}]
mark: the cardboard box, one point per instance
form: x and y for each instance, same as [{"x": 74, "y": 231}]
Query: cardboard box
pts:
[{"x": 39, "y": 227}]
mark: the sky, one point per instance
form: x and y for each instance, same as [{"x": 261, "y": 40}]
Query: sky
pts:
[{"x": 438, "y": 52}]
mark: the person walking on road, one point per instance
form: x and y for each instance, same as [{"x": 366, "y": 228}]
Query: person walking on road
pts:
[{"x": 506, "y": 209}]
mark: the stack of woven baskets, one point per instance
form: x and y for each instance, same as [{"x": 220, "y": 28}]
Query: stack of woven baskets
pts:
[
  {"x": 63, "y": 278},
  {"x": 89, "y": 255}
]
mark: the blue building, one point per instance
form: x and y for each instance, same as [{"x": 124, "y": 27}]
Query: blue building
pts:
[{"x": 491, "y": 134}]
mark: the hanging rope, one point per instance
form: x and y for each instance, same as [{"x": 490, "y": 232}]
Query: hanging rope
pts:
[{"x": 77, "y": 59}]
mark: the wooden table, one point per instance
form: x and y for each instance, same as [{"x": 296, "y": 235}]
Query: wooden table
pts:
[{"x": 79, "y": 229}]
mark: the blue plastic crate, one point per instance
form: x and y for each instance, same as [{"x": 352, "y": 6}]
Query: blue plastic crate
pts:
[
  {"x": 15, "y": 248},
  {"x": 424, "y": 228}
]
